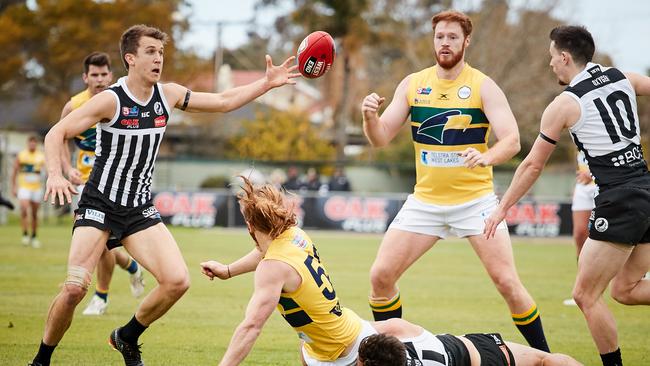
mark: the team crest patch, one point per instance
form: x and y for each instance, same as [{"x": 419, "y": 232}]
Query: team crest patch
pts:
[
  {"x": 157, "y": 107},
  {"x": 464, "y": 92},
  {"x": 423, "y": 91},
  {"x": 601, "y": 224},
  {"x": 94, "y": 215},
  {"x": 299, "y": 241}
]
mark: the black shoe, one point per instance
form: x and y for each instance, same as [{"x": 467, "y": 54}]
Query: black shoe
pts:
[
  {"x": 130, "y": 352},
  {"x": 34, "y": 364}
]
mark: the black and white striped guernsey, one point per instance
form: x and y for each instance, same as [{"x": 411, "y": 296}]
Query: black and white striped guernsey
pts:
[
  {"x": 127, "y": 146},
  {"x": 608, "y": 129}
]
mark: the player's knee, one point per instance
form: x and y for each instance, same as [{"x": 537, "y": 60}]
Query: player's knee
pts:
[
  {"x": 382, "y": 279},
  {"x": 583, "y": 298},
  {"x": 621, "y": 293},
  {"x": 177, "y": 285},
  {"x": 507, "y": 285},
  {"x": 76, "y": 284}
]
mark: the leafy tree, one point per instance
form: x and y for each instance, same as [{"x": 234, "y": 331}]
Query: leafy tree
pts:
[{"x": 280, "y": 136}]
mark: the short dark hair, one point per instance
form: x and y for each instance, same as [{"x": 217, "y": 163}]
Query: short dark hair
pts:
[
  {"x": 576, "y": 40},
  {"x": 382, "y": 350},
  {"x": 131, "y": 39},
  {"x": 97, "y": 59}
]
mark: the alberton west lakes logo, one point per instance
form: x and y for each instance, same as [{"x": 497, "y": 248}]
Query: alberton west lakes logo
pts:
[{"x": 435, "y": 126}]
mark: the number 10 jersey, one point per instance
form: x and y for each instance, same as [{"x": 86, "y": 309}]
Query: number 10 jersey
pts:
[{"x": 608, "y": 130}]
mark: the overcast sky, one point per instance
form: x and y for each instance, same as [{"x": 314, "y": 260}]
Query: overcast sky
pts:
[{"x": 620, "y": 28}]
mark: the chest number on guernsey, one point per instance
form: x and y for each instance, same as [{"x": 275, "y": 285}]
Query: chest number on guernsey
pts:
[
  {"x": 320, "y": 277},
  {"x": 612, "y": 101}
]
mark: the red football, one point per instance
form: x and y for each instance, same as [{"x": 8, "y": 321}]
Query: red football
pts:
[{"x": 316, "y": 54}]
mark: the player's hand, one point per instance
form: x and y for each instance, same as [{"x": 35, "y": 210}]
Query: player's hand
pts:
[
  {"x": 493, "y": 221},
  {"x": 214, "y": 269},
  {"x": 74, "y": 175},
  {"x": 59, "y": 187},
  {"x": 583, "y": 177},
  {"x": 283, "y": 74},
  {"x": 474, "y": 158},
  {"x": 370, "y": 106}
]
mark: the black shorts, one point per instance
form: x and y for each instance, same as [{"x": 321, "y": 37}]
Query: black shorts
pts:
[
  {"x": 621, "y": 215},
  {"x": 492, "y": 348},
  {"x": 457, "y": 352},
  {"x": 97, "y": 211}
]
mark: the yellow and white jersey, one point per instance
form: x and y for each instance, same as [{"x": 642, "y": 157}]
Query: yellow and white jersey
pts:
[
  {"x": 85, "y": 141},
  {"x": 446, "y": 118},
  {"x": 313, "y": 310},
  {"x": 583, "y": 165},
  {"x": 30, "y": 168}
]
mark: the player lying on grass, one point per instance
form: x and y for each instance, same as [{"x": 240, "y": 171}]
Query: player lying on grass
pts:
[{"x": 289, "y": 275}]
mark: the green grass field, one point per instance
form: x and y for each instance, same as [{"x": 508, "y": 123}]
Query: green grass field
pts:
[{"x": 447, "y": 291}]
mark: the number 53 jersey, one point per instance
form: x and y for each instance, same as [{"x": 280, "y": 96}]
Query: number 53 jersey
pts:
[
  {"x": 608, "y": 129},
  {"x": 313, "y": 310}
]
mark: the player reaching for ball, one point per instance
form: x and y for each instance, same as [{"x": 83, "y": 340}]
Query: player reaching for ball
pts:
[{"x": 452, "y": 108}]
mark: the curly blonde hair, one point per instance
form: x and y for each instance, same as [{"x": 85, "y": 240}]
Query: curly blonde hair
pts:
[{"x": 264, "y": 208}]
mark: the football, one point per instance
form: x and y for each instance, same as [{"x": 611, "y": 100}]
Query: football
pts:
[{"x": 316, "y": 54}]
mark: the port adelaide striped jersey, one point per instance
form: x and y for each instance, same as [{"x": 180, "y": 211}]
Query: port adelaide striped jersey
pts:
[{"x": 127, "y": 146}]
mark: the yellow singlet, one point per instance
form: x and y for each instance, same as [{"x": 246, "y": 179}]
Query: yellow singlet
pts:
[
  {"x": 313, "y": 310},
  {"x": 446, "y": 118},
  {"x": 85, "y": 157},
  {"x": 29, "y": 171}
]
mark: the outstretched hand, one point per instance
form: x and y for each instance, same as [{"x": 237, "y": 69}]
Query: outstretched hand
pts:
[
  {"x": 214, "y": 269},
  {"x": 59, "y": 187},
  {"x": 282, "y": 74}
]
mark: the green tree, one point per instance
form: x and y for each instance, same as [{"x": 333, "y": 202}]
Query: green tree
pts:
[{"x": 280, "y": 136}]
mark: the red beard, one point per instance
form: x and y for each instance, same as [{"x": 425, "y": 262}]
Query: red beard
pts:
[{"x": 450, "y": 62}]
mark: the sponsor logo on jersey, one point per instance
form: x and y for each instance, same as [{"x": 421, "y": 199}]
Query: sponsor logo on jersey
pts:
[
  {"x": 145, "y": 114},
  {"x": 464, "y": 92},
  {"x": 443, "y": 96},
  {"x": 151, "y": 212},
  {"x": 435, "y": 126},
  {"x": 157, "y": 107},
  {"x": 130, "y": 112},
  {"x": 421, "y": 101},
  {"x": 423, "y": 90},
  {"x": 160, "y": 121},
  {"x": 299, "y": 241},
  {"x": 130, "y": 123},
  {"x": 627, "y": 157},
  {"x": 441, "y": 158},
  {"x": 601, "y": 224},
  {"x": 94, "y": 215}
]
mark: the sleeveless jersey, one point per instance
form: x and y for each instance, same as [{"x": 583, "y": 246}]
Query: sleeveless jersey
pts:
[
  {"x": 85, "y": 141},
  {"x": 30, "y": 165},
  {"x": 426, "y": 350},
  {"x": 127, "y": 146},
  {"x": 608, "y": 129},
  {"x": 313, "y": 310},
  {"x": 446, "y": 118}
]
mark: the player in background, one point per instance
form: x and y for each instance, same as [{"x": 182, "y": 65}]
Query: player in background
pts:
[
  {"x": 290, "y": 275},
  {"x": 27, "y": 186},
  {"x": 583, "y": 202},
  {"x": 402, "y": 343},
  {"x": 97, "y": 76},
  {"x": 599, "y": 109},
  {"x": 116, "y": 205},
  {"x": 452, "y": 108}
]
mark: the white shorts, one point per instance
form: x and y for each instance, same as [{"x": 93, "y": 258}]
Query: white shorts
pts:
[
  {"x": 76, "y": 197},
  {"x": 32, "y": 195},
  {"x": 583, "y": 197},
  {"x": 462, "y": 220},
  {"x": 351, "y": 358}
]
